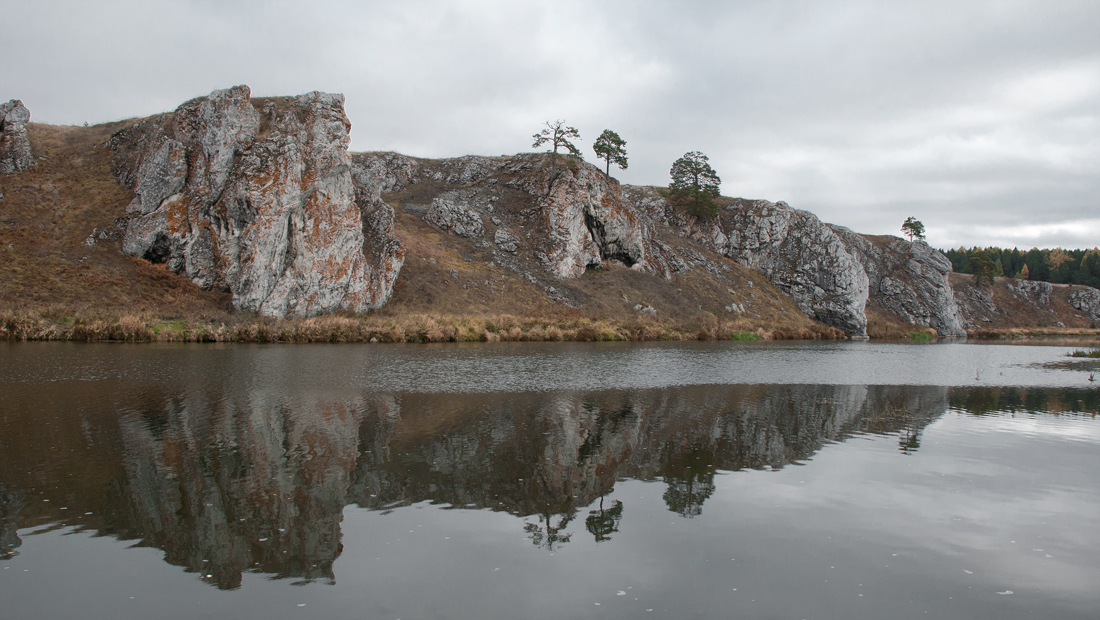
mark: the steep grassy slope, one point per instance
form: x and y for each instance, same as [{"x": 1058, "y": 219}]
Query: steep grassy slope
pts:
[{"x": 48, "y": 213}]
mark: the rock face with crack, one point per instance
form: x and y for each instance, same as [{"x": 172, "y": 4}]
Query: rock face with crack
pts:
[
  {"x": 801, "y": 256},
  {"x": 257, "y": 198},
  {"x": 15, "y": 146},
  {"x": 909, "y": 279}
]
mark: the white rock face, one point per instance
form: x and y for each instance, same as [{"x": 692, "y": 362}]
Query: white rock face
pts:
[
  {"x": 829, "y": 271},
  {"x": 801, "y": 256},
  {"x": 262, "y": 204},
  {"x": 909, "y": 279},
  {"x": 15, "y": 147}
]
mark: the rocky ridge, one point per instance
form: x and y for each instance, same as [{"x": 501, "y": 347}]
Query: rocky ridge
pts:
[
  {"x": 260, "y": 198},
  {"x": 577, "y": 219},
  {"x": 257, "y": 198},
  {"x": 15, "y": 146},
  {"x": 573, "y": 218}
]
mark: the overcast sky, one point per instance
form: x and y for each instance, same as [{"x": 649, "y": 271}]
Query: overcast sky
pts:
[{"x": 982, "y": 119}]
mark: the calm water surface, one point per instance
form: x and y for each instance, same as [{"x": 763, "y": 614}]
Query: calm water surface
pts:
[{"x": 709, "y": 480}]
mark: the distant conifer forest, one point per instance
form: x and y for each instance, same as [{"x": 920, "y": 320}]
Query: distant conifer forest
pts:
[{"x": 1058, "y": 266}]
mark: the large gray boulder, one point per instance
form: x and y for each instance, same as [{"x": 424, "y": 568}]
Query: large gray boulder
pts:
[
  {"x": 15, "y": 146},
  {"x": 259, "y": 201}
]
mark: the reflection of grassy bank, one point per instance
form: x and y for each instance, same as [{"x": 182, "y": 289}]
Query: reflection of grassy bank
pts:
[
  {"x": 1084, "y": 334},
  {"x": 59, "y": 323},
  {"x": 987, "y": 400}
]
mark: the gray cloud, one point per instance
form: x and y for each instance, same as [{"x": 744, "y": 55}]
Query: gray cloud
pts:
[{"x": 980, "y": 118}]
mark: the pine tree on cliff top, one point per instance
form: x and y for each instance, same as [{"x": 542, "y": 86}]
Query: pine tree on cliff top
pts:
[
  {"x": 913, "y": 228},
  {"x": 694, "y": 184},
  {"x": 611, "y": 148},
  {"x": 558, "y": 135}
]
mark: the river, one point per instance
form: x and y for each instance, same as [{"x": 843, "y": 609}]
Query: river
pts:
[{"x": 556, "y": 480}]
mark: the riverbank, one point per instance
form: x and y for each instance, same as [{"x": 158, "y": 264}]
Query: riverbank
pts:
[
  {"x": 1067, "y": 335},
  {"x": 59, "y": 324}
]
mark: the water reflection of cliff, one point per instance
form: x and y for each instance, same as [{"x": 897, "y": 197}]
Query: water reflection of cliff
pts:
[{"x": 256, "y": 481}]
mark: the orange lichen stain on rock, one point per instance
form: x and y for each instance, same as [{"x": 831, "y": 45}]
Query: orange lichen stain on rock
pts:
[{"x": 176, "y": 215}]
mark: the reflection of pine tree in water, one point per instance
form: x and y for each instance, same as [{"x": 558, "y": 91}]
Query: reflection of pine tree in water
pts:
[
  {"x": 690, "y": 481},
  {"x": 602, "y": 523},
  {"x": 547, "y": 535},
  {"x": 909, "y": 440}
]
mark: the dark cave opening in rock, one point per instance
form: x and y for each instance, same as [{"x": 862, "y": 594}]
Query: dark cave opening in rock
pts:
[
  {"x": 609, "y": 252},
  {"x": 159, "y": 250}
]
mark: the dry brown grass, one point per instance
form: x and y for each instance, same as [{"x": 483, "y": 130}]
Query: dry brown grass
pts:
[
  {"x": 885, "y": 325},
  {"x": 1067, "y": 334},
  {"x": 55, "y": 324}
]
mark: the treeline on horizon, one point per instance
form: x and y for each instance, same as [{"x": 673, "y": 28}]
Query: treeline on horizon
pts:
[{"x": 1057, "y": 265}]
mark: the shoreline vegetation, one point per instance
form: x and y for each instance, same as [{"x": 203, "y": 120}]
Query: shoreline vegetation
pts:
[{"x": 61, "y": 324}]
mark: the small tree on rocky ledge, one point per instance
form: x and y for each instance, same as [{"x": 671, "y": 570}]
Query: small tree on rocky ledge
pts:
[
  {"x": 694, "y": 185},
  {"x": 558, "y": 135},
  {"x": 611, "y": 148},
  {"x": 913, "y": 228}
]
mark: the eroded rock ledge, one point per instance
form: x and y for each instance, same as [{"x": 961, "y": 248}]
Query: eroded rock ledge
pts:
[{"x": 256, "y": 197}]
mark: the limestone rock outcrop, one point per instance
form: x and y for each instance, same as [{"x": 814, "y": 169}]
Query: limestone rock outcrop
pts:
[
  {"x": 909, "y": 279},
  {"x": 829, "y": 271},
  {"x": 801, "y": 256},
  {"x": 1087, "y": 300},
  {"x": 15, "y": 146},
  {"x": 257, "y": 197},
  {"x": 579, "y": 217}
]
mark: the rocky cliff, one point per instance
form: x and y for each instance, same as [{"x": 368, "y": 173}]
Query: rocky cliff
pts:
[
  {"x": 571, "y": 217},
  {"x": 15, "y": 147},
  {"x": 257, "y": 198},
  {"x": 831, "y": 272},
  {"x": 908, "y": 279}
]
